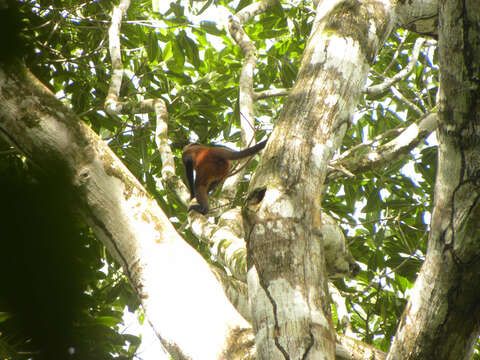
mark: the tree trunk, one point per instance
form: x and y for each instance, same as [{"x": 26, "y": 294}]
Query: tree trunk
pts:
[
  {"x": 442, "y": 317},
  {"x": 287, "y": 281}
]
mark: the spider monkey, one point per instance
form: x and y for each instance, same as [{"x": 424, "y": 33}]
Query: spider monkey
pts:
[{"x": 211, "y": 165}]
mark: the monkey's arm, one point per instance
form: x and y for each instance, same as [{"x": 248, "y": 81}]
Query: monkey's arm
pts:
[
  {"x": 188, "y": 164},
  {"x": 202, "y": 198}
]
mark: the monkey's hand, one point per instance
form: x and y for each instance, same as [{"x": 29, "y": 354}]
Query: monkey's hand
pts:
[{"x": 198, "y": 208}]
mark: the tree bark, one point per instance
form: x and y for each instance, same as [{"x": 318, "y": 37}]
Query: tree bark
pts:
[
  {"x": 287, "y": 281},
  {"x": 442, "y": 317}
]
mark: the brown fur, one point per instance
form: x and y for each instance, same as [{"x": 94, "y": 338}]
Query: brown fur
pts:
[{"x": 211, "y": 165}]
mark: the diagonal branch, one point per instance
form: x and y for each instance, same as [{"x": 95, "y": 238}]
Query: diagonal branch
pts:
[
  {"x": 402, "y": 74},
  {"x": 123, "y": 216},
  {"x": 365, "y": 157}
]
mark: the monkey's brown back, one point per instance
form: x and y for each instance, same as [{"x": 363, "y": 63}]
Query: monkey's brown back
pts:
[{"x": 210, "y": 166}]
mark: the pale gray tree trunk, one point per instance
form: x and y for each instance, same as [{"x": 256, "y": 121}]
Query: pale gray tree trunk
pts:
[{"x": 287, "y": 281}]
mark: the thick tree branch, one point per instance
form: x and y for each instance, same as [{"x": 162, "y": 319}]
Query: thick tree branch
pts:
[
  {"x": 124, "y": 217},
  {"x": 225, "y": 240}
]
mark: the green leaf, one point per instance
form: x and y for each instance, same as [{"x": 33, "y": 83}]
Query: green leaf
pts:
[
  {"x": 108, "y": 320},
  {"x": 211, "y": 28},
  {"x": 168, "y": 51}
]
